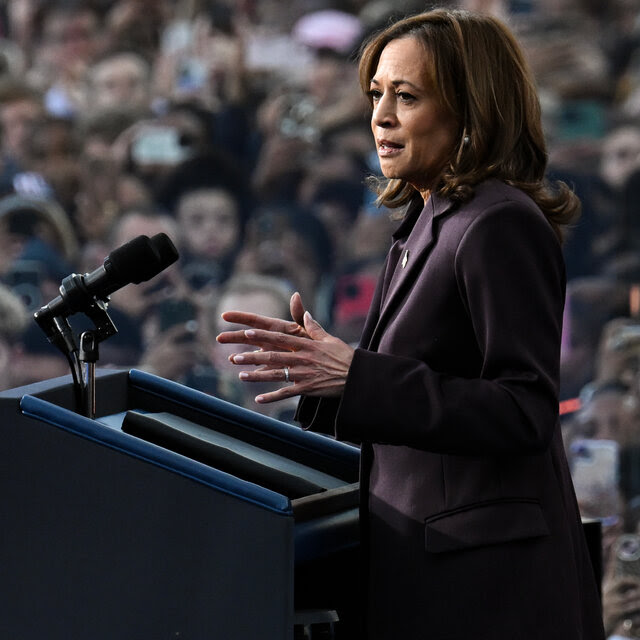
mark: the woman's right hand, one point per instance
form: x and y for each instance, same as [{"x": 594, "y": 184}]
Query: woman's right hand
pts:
[{"x": 298, "y": 353}]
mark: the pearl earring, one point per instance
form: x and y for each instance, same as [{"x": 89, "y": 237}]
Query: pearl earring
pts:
[{"x": 466, "y": 140}]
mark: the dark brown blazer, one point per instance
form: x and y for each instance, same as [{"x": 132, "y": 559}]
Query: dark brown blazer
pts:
[{"x": 470, "y": 525}]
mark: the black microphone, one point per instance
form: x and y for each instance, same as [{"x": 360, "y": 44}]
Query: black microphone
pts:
[{"x": 136, "y": 261}]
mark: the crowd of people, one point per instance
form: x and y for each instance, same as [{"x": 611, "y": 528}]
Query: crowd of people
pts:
[{"x": 238, "y": 129}]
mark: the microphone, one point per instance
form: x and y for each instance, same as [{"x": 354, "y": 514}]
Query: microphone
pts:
[{"x": 136, "y": 261}]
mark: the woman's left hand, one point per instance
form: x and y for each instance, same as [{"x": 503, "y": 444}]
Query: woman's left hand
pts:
[{"x": 316, "y": 364}]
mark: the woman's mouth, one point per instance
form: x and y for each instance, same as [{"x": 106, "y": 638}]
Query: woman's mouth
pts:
[{"x": 387, "y": 148}]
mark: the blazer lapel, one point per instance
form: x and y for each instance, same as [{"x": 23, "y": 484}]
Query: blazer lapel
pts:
[{"x": 409, "y": 262}]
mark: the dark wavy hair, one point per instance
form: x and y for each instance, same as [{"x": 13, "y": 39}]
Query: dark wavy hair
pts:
[{"x": 482, "y": 78}]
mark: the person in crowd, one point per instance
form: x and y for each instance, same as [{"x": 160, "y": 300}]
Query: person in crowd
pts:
[
  {"x": 629, "y": 227},
  {"x": 337, "y": 202},
  {"x": 603, "y": 439},
  {"x": 119, "y": 79},
  {"x": 135, "y": 309},
  {"x": 610, "y": 410},
  {"x": 175, "y": 150},
  {"x": 252, "y": 293},
  {"x": 69, "y": 35},
  {"x": 620, "y": 155},
  {"x": 591, "y": 303},
  {"x": 21, "y": 106},
  {"x": 52, "y": 153},
  {"x": 293, "y": 244},
  {"x": 621, "y": 606},
  {"x": 13, "y": 321},
  {"x": 618, "y": 356},
  {"x": 286, "y": 145},
  {"x": 469, "y": 519},
  {"x": 210, "y": 226},
  {"x": 38, "y": 247},
  {"x": 35, "y": 358},
  {"x": 136, "y": 24},
  {"x": 614, "y": 224},
  {"x": 208, "y": 162},
  {"x": 105, "y": 188}
]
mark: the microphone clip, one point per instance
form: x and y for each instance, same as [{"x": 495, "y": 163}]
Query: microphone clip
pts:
[{"x": 59, "y": 333}]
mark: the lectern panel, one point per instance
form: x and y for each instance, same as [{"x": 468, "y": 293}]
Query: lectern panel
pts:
[
  {"x": 103, "y": 545},
  {"x": 108, "y": 535}
]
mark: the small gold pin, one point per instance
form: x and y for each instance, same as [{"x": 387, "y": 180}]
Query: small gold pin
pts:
[{"x": 405, "y": 258}]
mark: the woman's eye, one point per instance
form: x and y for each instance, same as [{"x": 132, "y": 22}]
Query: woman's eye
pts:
[
  {"x": 405, "y": 97},
  {"x": 374, "y": 94}
]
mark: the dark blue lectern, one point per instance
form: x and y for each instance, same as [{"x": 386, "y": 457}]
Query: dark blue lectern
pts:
[{"x": 171, "y": 516}]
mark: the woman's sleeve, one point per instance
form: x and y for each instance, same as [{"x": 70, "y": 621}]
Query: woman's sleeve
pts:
[
  {"x": 510, "y": 275},
  {"x": 318, "y": 414}
]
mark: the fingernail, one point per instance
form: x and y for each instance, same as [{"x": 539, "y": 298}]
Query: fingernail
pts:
[
  {"x": 259, "y": 398},
  {"x": 243, "y": 375},
  {"x": 307, "y": 315},
  {"x": 250, "y": 333},
  {"x": 238, "y": 359}
]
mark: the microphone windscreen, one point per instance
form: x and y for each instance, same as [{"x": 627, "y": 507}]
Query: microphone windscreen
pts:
[
  {"x": 134, "y": 262},
  {"x": 165, "y": 248}
]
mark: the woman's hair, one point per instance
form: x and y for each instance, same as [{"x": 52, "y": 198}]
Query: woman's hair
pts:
[{"x": 483, "y": 80}]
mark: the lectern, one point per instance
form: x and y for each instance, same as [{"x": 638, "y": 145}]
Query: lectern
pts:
[{"x": 172, "y": 515}]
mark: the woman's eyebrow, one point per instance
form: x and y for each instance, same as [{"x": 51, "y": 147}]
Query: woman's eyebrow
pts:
[{"x": 396, "y": 83}]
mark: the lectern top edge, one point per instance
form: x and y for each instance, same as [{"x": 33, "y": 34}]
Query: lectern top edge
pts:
[
  {"x": 178, "y": 393},
  {"x": 62, "y": 418},
  {"x": 121, "y": 392}
]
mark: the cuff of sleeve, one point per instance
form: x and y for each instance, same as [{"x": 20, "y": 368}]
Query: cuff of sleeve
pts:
[
  {"x": 318, "y": 414},
  {"x": 350, "y": 410}
]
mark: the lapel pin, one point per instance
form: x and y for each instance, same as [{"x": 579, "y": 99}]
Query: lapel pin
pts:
[{"x": 405, "y": 258}]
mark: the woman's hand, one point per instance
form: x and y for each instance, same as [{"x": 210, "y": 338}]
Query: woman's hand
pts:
[
  {"x": 621, "y": 604},
  {"x": 299, "y": 352},
  {"x": 295, "y": 328},
  {"x": 171, "y": 354}
]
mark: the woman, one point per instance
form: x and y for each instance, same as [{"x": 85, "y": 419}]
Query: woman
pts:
[{"x": 470, "y": 524}]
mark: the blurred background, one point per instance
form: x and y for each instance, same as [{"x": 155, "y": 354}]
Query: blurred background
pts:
[{"x": 237, "y": 128}]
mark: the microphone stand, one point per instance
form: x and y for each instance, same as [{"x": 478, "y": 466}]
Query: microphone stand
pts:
[
  {"x": 60, "y": 334},
  {"x": 82, "y": 360},
  {"x": 88, "y": 356},
  {"x": 136, "y": 261}
]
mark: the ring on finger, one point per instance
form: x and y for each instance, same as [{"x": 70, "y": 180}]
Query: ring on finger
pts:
[{"x": 286, "y": 374}]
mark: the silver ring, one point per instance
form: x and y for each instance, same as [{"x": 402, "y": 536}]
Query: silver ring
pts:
[{"x": 286, "y": 374}]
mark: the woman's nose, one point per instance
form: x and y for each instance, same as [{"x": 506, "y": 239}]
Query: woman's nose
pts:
[{"x": 384, "y": 113}]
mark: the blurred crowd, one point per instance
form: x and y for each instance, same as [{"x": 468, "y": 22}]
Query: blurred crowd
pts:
[{"x": 237, "y": 128}]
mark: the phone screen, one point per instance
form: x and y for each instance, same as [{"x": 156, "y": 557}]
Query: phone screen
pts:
[
  {"x": 159, "y": 145},
  {"x": 174, "y": 312},
  {"x": 595, "y": 469}
]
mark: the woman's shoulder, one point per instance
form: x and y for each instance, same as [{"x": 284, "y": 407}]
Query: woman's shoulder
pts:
[
  {"x": 498, "y": 217},
  {"x": 499, "y": 203},
  {"x": 495, "y": 194}
]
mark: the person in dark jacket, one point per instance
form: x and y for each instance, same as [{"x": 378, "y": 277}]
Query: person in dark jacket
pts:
[{"x": 470, "y": 525}]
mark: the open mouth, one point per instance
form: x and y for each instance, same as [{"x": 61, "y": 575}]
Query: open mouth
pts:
[{"x": 387, "y": 148}]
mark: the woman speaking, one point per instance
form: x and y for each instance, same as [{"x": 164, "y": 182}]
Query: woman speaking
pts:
[{"x": 470, "y": 527}]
